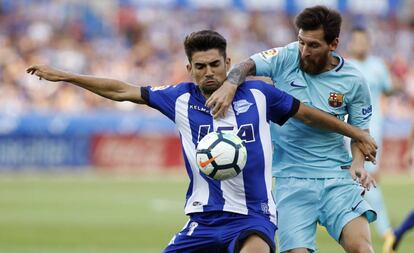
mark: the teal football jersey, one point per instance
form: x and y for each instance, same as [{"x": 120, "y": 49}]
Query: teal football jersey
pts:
[
  {"x": 303, "y": 151},
  {"x": 378, "y": 79}
]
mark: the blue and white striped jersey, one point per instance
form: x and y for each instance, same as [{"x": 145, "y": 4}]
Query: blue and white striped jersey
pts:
[{"x": 254, "y": 106}]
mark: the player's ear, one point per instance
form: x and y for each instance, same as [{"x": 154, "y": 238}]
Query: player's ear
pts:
[
  {"x": 228, "y": 63},
  {"x": 334, "y": 44}
]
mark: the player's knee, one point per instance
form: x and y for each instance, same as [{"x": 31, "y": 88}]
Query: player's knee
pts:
[{"x": 254, "y": 244}]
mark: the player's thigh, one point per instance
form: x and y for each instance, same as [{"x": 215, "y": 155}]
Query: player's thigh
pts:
[
  {"x": 297, "y": 203},
  {"x": 255, "y": 244},
  {"x": 356, "y": 236},
  {"x": 343, "y": 202},
  {"x": 195, "y": 238},
  {"x": 255, "y": 234}
]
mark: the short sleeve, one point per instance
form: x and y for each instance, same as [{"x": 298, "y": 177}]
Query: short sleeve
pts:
[
  {"x": 161, "y": 98},
  {"x": 272, "y": 63},
  {"x": 359, "y": 105}
]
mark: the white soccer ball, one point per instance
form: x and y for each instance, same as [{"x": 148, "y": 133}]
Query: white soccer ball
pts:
[{"x": 221, "y": 155}]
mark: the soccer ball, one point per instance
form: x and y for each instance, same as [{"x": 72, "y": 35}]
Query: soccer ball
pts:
[{"x": 221, "y": 155}]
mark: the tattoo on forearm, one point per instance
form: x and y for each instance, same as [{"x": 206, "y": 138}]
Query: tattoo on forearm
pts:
[
  {"x": 238, "y": 74},
  {"x": 235, "y": 76}
]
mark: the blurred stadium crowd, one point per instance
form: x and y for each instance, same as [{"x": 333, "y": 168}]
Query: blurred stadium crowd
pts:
[{"x": 143, "y": 46}]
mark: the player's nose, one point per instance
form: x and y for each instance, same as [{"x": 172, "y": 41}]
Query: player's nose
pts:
[
  {"x": 305, "y": 51},
  {"x": 209, "y": 71}
]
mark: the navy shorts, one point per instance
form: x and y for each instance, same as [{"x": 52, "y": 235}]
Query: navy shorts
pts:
[{"x": 217, "y": 232}]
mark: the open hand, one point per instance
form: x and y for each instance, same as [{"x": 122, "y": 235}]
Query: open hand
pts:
[{"x": 46, "y": 72}]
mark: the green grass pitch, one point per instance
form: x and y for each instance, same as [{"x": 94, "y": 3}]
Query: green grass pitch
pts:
[{"x": 107, "y": 214}]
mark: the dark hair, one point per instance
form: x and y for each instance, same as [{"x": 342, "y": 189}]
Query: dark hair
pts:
[
  {"x": 320, "y": 17},
  {"x": 204, "y": 40}
]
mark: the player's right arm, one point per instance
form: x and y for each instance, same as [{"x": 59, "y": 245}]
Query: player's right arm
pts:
[{"x": 105, "y": 87}]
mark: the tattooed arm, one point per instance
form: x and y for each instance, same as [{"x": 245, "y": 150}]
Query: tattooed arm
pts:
[
  {"x": 220, "y": 100},
  {"x": 240, "y": 71}
]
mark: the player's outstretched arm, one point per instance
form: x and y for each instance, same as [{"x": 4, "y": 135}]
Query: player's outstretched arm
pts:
[
  {"x": 221, "y": 99},
  {"x": 319, "y": 119},
  {"x": 108, "y": 88}
]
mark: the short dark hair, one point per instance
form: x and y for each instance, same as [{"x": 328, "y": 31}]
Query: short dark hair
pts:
[
  {"x": 319, "y": 16},
  {"x": 204, "y": 40}
]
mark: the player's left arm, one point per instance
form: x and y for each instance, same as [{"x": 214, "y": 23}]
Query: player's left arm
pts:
[{"x": 282, "y": 106}]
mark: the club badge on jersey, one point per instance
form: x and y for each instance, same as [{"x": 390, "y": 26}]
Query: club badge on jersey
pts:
[{"x": 335, "y": 99}]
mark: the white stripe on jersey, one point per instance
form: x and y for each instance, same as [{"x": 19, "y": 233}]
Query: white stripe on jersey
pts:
[
  {"x": 233, "y": 189},
  {"x": 266, "y": 140},
  {"x": 183, "y": 125}
]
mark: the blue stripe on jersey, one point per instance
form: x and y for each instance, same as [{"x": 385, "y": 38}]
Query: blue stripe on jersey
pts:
[{"x": 253, "y": 178}]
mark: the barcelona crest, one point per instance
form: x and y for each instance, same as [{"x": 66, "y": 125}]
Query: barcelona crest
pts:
[{"x": 336, "y": 99}]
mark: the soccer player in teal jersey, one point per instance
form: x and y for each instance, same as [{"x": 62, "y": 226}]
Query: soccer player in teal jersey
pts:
[
  {"x": 378, "y": 79},
  {"x": 314, "y": 172}
]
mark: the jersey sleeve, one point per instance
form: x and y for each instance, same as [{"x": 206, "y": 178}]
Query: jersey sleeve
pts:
[
  {"x": 161, "y": 98},
  {"x": 272, "y": 62},
  {"x": 281, "y": 105},
  {"x": 359, "y": 105}
]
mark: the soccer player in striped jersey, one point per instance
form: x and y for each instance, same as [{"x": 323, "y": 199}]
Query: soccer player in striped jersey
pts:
[
  {"x": 235, "y": 215},
  {"x": 313, "y": 169}
]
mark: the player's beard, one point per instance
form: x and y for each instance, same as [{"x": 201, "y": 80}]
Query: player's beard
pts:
[
  {"x": 314, "y": 67},
  {"x": 208, "y": 89}
]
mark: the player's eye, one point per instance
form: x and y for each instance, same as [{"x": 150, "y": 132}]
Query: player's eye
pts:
[
  {"x": 215, "y": 64},
  {"x": 314, "y": 45}
]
